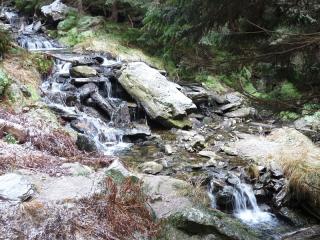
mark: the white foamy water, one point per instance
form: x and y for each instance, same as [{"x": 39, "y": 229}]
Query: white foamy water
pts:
[{"x": 246, "y": 207}]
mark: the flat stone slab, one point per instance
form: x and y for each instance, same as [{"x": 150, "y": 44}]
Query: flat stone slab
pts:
[{"x": 15, "y": 187}]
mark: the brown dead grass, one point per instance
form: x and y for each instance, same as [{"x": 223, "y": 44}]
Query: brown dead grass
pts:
[
  {"x": 120, "y": 213},
  {"x": 48, "y": 151},
  {"x": 21, "y": 68},
  {"x": 300, "y": 160}
]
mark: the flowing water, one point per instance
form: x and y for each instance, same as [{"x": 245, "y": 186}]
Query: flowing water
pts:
[
  {"x": 90, "y": 117},
  {"x": 246, "y": 207},
  {"x": 107, "y": 130}
]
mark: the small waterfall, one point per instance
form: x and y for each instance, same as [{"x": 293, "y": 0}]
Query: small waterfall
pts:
[
  {"x": 211, "y": 195},
  {"x": 37, "y": 42},
  {"x": 98, "y": 110},
  {"x": 246, "y": 207}
]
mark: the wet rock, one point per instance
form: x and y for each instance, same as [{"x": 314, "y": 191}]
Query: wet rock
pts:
[
  {"x": 312, "y": 232},
  {"x": 224, "y": 198},
  {"x": 81, "y": 81},
  {"x": 77, "y": 169},
  {"x": 260, "y": 194},
  {"x": 217, "y": 184},
  {"x": 233, "y": 180},
  {"x": 56, "y": 10},
  {"x": 151, "y": 167},
  {"x": 159, "y": 97},
  {"x": 15, "y": 187},
  {"x": 295, "y": 217},
  {"x": 280, "y": 198},
  {"x": 205, "y": 221},
  {"x": 241, "y": 113},
  {"x": 66, "y": 113},
  {"x": 83, "y": 72},
  {"x": 277, "y": 185},
  {"x": 103, "y": 103},
  {"x": 265, "y": 178},
  {"x": 137, "y": 131},
  {"x": 86, "y": 90},
  {"x": 85, "y": 143}
]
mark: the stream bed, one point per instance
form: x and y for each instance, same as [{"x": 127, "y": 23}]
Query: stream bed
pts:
[{"x": 84, "y": 91}]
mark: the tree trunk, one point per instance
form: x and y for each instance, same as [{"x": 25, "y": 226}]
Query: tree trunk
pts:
[{"x": 115, "y": 11}]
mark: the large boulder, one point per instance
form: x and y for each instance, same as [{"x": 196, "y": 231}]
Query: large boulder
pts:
[
  {"x": 160, "y": 98},
  {"x": 56, "y": 10},
  {"x": 165, "y": 194},
  {"x": 197, "y": 221}
]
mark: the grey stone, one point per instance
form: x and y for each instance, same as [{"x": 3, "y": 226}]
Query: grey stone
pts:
[
  {"x": 15, "y": 187},
  {"x": 160, "y": 98},
  {"x": 205, "y": 221},
  {"x": 56, "y": 10},
  {"x": 168, "y": 149},
  {"x": 241, "y": 113},
  {"x": 151, "y": 167},
  {"x": 168, "y": 192},
  {"x": 77, "y": 169},
  {"x": 229, "y": 106},
  {"x": 83, "y": 72},
  {"x": 224, "y": 198}
]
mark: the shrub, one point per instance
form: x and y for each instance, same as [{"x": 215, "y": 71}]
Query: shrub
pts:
[
  {"x": 4, "y": 42},
  {"x": 4, "y": 82}
]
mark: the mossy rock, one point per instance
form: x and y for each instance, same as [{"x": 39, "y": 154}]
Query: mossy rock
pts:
[
  {"x": 4, "y": 82},
  {"x": 119, "y": 178},
  {"x": 68, "y": 23},
  {"x": 203, "y": 221}
]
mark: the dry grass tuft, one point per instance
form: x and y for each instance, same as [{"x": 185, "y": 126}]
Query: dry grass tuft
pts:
[
  {"x": 300, "y": 160},
  {"x": 121, "y": 214},
  {"x": 196, "y": 190},
  {"x": 57, "y": 143}
]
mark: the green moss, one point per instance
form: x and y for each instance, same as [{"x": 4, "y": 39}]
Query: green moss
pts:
[
  {"x": 70, "y": 22},
  {"x": 42, "y": 63},
  {"x": 212, "y": 82},
  {"x": 34, "y": 93},
  {"x": 9, "y": 138},
  {"x": 4, "y": 82},
  {"x": 289, "y": 91},
  {"x": 288, "y": 116}
]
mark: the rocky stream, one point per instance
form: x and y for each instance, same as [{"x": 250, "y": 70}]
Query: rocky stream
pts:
[{"x": 207, "y": 161}]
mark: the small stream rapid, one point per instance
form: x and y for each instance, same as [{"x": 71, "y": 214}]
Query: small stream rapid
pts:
[
  {"x": 104, "y": 115},
  {"x": 96, "y": 107}
]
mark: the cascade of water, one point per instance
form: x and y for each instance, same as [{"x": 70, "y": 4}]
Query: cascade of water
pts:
[
  {"x": 246, "y": 207},
  {"x": 85, "y": 116},
  {"x": 211, "y": 195}
]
